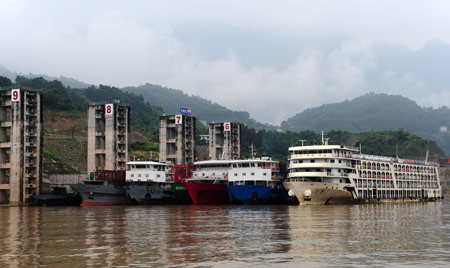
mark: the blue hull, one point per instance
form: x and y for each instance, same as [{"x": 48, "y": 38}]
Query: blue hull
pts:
[{"x": 257, "y": 195}]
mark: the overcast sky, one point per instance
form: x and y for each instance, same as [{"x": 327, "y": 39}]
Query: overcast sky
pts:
[{"x": 270, "y": 58}]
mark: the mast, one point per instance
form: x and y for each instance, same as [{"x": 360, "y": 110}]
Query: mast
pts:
[
  {"x": 428, "y": 147},
  {"x": 251, "y": 146}
]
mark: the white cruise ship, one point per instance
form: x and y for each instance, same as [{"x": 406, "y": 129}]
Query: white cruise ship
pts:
[{"x": 335, "y": 174}]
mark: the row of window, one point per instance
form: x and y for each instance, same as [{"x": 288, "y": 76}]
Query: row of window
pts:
[{"x": 139, "y": 175}]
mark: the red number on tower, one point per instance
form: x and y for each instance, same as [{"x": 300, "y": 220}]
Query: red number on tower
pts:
[
  {"x": 178, "y": 119},
  {"x": 15, "y": 95},
  {"x": 109, "y": 109},
  {"x": 226, "y": 126}
]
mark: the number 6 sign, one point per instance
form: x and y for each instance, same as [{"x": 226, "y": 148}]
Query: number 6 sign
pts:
[
  {"x": 178, "y": 119},
  {"x": 227, "y": 126},
  {"x": 15, "y": 94},
  {"x": 109, "y": 109}
]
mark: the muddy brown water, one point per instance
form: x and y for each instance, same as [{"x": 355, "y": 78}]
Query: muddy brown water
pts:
[{"x": 395, "y": 235}]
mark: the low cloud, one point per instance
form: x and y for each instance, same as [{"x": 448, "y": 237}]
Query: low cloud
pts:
[{"x": 120, "y": 46}]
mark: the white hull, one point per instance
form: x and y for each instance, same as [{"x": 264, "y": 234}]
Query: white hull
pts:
[{"x": 320, "y": 193}]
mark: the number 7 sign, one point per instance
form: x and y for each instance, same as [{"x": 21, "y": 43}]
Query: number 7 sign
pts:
[
  {"x": 178, "y": 119},
  {"x": 15, "y": 94}
]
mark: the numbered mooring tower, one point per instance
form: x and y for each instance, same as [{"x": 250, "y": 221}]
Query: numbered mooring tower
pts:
[
  {"x": 21, "y": 133},
  {"x": 108, "y": 137},
  {"x": 177, "y": 139},
  {"x": 225, "y": 140}
]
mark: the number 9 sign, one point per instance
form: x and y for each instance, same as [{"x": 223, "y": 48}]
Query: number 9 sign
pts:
[
  {"x": 227, "y": 126},
  {"x": 15, "y": 95},
  {"x": 109, "y": 109},
  {"x": 178, "y": 119}
]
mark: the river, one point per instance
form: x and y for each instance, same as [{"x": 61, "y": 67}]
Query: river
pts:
[{"x": 397, "y": 235}]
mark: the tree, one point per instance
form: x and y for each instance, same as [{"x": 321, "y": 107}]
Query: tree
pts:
[{"x": 5, "y": 82}]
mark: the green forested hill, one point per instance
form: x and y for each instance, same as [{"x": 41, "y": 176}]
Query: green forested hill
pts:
[
  {"x": 58, "y": 97},
  {"x": 171, "y": 100},
  {"x": 375, "y": 112},
  {"x": 383, "y": 143},
  {"x": 360, "y": 116}
]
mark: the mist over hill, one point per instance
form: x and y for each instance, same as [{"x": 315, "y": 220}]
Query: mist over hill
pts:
[
  {"x": 375, "y": 112},
  {"x": 172, "y": 99}
]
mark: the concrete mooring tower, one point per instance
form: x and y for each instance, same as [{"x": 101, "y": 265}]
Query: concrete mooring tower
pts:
[
  {"x": 21, "y": 135},
  {"x": 108, "y": 137},
  {"x": 177, "y": 139},
  {"x": 225, "y": 141}
]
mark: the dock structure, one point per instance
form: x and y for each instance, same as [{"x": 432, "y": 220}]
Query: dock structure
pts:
[
  {"x": 108, "y": 137},
  {"x": 21, "y": 146},
  {"x": 177, "y": 139},
  {"x": 225, "y": 141}
]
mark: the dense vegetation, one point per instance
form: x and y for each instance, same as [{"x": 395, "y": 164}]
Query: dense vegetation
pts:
[
  {"x": 375, "y": 112},
  {"x": 171, "y": 100},
  {"x": 5, "y": 82},
  {"x": 269, "y": 142},
  {"x": 383, "y": 143},
  {"x": 58, "y": 97}
]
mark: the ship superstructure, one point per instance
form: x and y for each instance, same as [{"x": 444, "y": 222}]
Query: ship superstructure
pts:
[
  {"x": 255, "y": 181},
  {"x": 149, "y": 183},
  {"x": 328, "y": 174},
  {"x": 209, "y": 182}
]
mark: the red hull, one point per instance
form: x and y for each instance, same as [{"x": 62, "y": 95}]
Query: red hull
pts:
[
  {"x": 95, "y": 204},
  {"x": 207, "y": 193}
]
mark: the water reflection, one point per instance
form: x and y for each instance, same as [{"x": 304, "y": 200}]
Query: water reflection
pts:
[
  {"x": 201, "y": 234},
  {"x": 362, "y": 235},
  {"x": 407, "y": 233}
]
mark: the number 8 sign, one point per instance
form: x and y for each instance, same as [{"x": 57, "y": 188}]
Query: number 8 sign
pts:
[
  {"x": 15, "y": 95},
  {"x": 109, "y": 109},
  {"x": 178, "y": 119},
  {"x": 227, "y": 126}
]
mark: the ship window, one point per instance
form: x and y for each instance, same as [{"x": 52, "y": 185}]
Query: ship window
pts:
[
  {"x": 264, "y": 174},
  {"x": 332, "y": 161},
  {"x": 312, "y": 161},
  {"x": 253, "y": 174},
  {"x": 139, "y": 175},
  {"x": 158, "y": 176},
  {"x": 146, "y": 175},
  {"x": 132, "y": 175},
  {"x": 340, "y": 161},
  {"x": 243, "y": 174},
  {"x": 235, "y": 174},
  {"x": 214, "y": 174}
]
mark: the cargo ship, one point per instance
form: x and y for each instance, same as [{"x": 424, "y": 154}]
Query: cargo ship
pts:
[
  {"x": 335, "y": 174},
  {"x": 209, "y": 182},
  {"x": 153, "y": 183},
  {"x": 255, "y": 182},
  {"x": 106, "y": 189}
]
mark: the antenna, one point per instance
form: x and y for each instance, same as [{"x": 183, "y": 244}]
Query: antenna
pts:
[
  {"x": 251, "y": 146},
  {"x": 397, "y": 150},
  {"x": 428, "y": 147},
  {"x": 360, "y": 148},
  {"x": 323, "y": 141},
  {"x": 302, "y": 141}
]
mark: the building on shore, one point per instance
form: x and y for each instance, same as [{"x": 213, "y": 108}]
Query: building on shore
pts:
[
  {"x": 177, "y": 139},
  {"x": 108, "y": 137},
  {"x": 225, "y": 141},
  {"x": 21, "y": 145}
]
